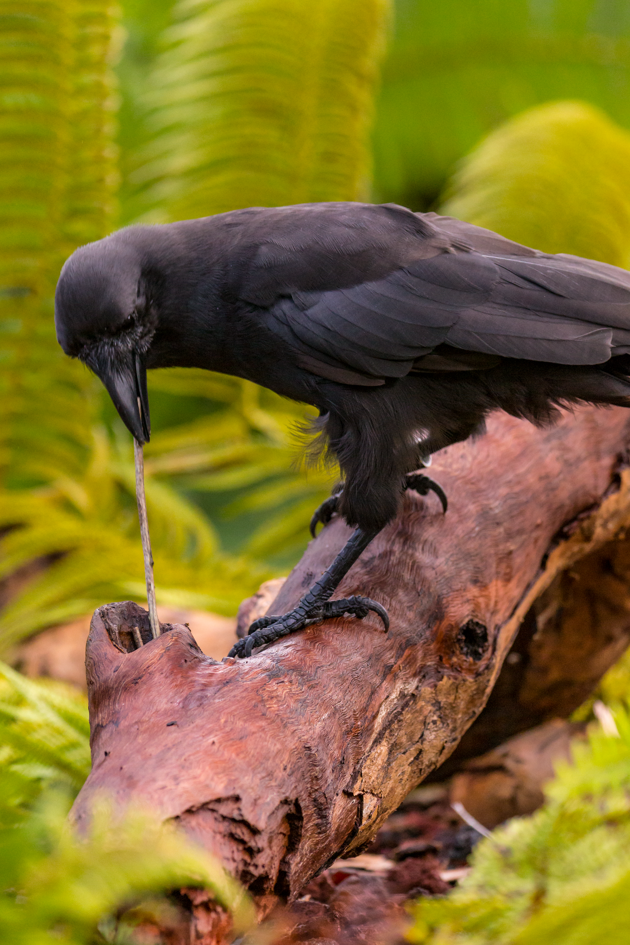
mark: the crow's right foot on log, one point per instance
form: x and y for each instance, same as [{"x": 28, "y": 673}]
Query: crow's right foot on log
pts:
[
  {"x": 417, "y": 482},
  {"x": 315, "y": 606}
]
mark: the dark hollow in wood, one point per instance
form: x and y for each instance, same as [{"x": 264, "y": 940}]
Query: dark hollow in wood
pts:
[{"x": 281, "y": 763}]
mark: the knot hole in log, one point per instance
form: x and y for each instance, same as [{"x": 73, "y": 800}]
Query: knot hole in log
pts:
[{"x": 473, "y": 640}]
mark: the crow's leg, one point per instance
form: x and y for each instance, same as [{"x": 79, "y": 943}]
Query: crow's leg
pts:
[
  {"x": 315, "y": 606},
  {"x": 418, "y": 482}
]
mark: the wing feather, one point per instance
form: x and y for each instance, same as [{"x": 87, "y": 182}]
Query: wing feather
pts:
[{"x": 466, "y": 288}]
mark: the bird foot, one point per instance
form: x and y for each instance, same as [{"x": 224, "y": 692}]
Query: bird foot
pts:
[
  {"x": 418, "y": 482},
  {"x": 324, "y": 512},
  {"x": 423, "y": 485},
  {"x": 271, "y": 628}
]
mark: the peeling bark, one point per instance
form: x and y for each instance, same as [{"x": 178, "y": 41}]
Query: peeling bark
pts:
[{"x": 281, "y": 763}]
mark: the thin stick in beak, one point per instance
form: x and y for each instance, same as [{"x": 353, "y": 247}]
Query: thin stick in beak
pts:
[{"x": 146, "y": 541}]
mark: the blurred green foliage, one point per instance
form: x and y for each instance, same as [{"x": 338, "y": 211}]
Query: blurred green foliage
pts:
[
  {"x": 225, "y": 103},
  {"x": 261, "y": 103},
  {"x": 453, "y": 72},
  {"x": 57, "y": 188},
  {"x": 100, "y": 887},
  {"x": 561, "y": 875},
  {"x": 556, "y": 177},
  {"x": 44, "y": 740},
  {"x": 456, "y": 70}
]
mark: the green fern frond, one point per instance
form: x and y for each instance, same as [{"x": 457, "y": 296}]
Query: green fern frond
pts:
[
  {"x": 54, "y": 134},
  {"x": 103, "y": 566},
  {"x": 85, "y": 531},
  {"x": 44, "y": 737},
  {"x": 557, "y": 178},
  {"x": 263, "y": 102},
  {"x": 79, "y": 890},
  {"x": 562, "y": 874},
  {"x": 91, "y": 204},
  {"x": 55, "y": 883},
  {"x": 287, "y": 529}
]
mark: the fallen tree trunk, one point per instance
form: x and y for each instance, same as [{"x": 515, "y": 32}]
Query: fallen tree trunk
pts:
[{"x": 282, "y": 762}]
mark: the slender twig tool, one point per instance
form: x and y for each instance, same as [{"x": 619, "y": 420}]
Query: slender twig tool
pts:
[{"x": 146, "y": 541}]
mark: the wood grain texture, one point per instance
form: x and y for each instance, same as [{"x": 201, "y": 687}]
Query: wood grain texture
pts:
[{"x": 282, "y": 762}]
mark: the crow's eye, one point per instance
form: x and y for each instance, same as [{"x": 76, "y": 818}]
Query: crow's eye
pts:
[{"x": 128, "y": 322}]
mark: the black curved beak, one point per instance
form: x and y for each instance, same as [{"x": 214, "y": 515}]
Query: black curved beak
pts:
[{"x": 125, "y": 377}]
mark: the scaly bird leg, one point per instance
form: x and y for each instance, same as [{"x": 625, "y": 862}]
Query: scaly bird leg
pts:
[
  {"x": 315, "y": 606},
  {"x": 416, "y": 481}
]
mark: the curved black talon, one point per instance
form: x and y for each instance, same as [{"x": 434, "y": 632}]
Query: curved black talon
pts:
[
  {"x": 324, "y": 512},
  {"x": 263, "y": 622},
  {"x": 423, "y": 485},
  {"x": 355, "y": 607},
  {"x": 269, "y": 634}
]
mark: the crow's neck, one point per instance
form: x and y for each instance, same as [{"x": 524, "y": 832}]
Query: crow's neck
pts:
[{"x": 184, "y": 266}]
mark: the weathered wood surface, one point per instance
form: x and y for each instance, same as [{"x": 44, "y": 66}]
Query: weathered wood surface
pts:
[{"x": 282, "y": 762}]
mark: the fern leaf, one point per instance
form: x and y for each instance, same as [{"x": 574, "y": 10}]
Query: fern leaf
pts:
[
  {"x": 556, "y": 177},
  {"x": 562, "y": 874},
  {"x": 263, "y": 102}
]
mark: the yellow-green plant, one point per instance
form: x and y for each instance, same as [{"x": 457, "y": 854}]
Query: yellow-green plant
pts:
[
  {"x": 556, "y": 177},
  {"x": 57, "y": 186},
  {"x": 263, "y": 102},
  {"x": 44, "y": 740},
  {"x": 96, "y": 888},
  {"x": 79, "y": 890},
  {"x": 55, "y": 99},
  {"x": 456, "y": 70},
  {"x": 84, "y": 530}
]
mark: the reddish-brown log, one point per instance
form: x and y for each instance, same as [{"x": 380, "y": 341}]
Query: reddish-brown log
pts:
[{"x": 282, "y": 762}]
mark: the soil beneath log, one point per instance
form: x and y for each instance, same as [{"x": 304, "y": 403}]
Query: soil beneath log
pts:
[{"x": 421, "y": 850}]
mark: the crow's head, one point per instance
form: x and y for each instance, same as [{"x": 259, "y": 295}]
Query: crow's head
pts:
[{"x": 105, "y": 316}]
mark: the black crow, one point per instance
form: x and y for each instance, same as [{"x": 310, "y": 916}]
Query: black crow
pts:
[{"x": 404, "y": 329}]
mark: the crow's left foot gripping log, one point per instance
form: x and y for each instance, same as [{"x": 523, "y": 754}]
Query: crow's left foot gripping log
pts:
[{"x": 315, "y": 606}]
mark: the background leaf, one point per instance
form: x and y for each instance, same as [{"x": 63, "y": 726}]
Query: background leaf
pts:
[
  {"x": 562, "y": 873},
  {"x": 457, "y": 70},
  {"x": 557, "y": 177},
  {"x": 262, "y": 102}
]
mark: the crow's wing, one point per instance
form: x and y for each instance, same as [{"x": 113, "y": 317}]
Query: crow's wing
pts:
[{"x": 467, "y": 288}]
